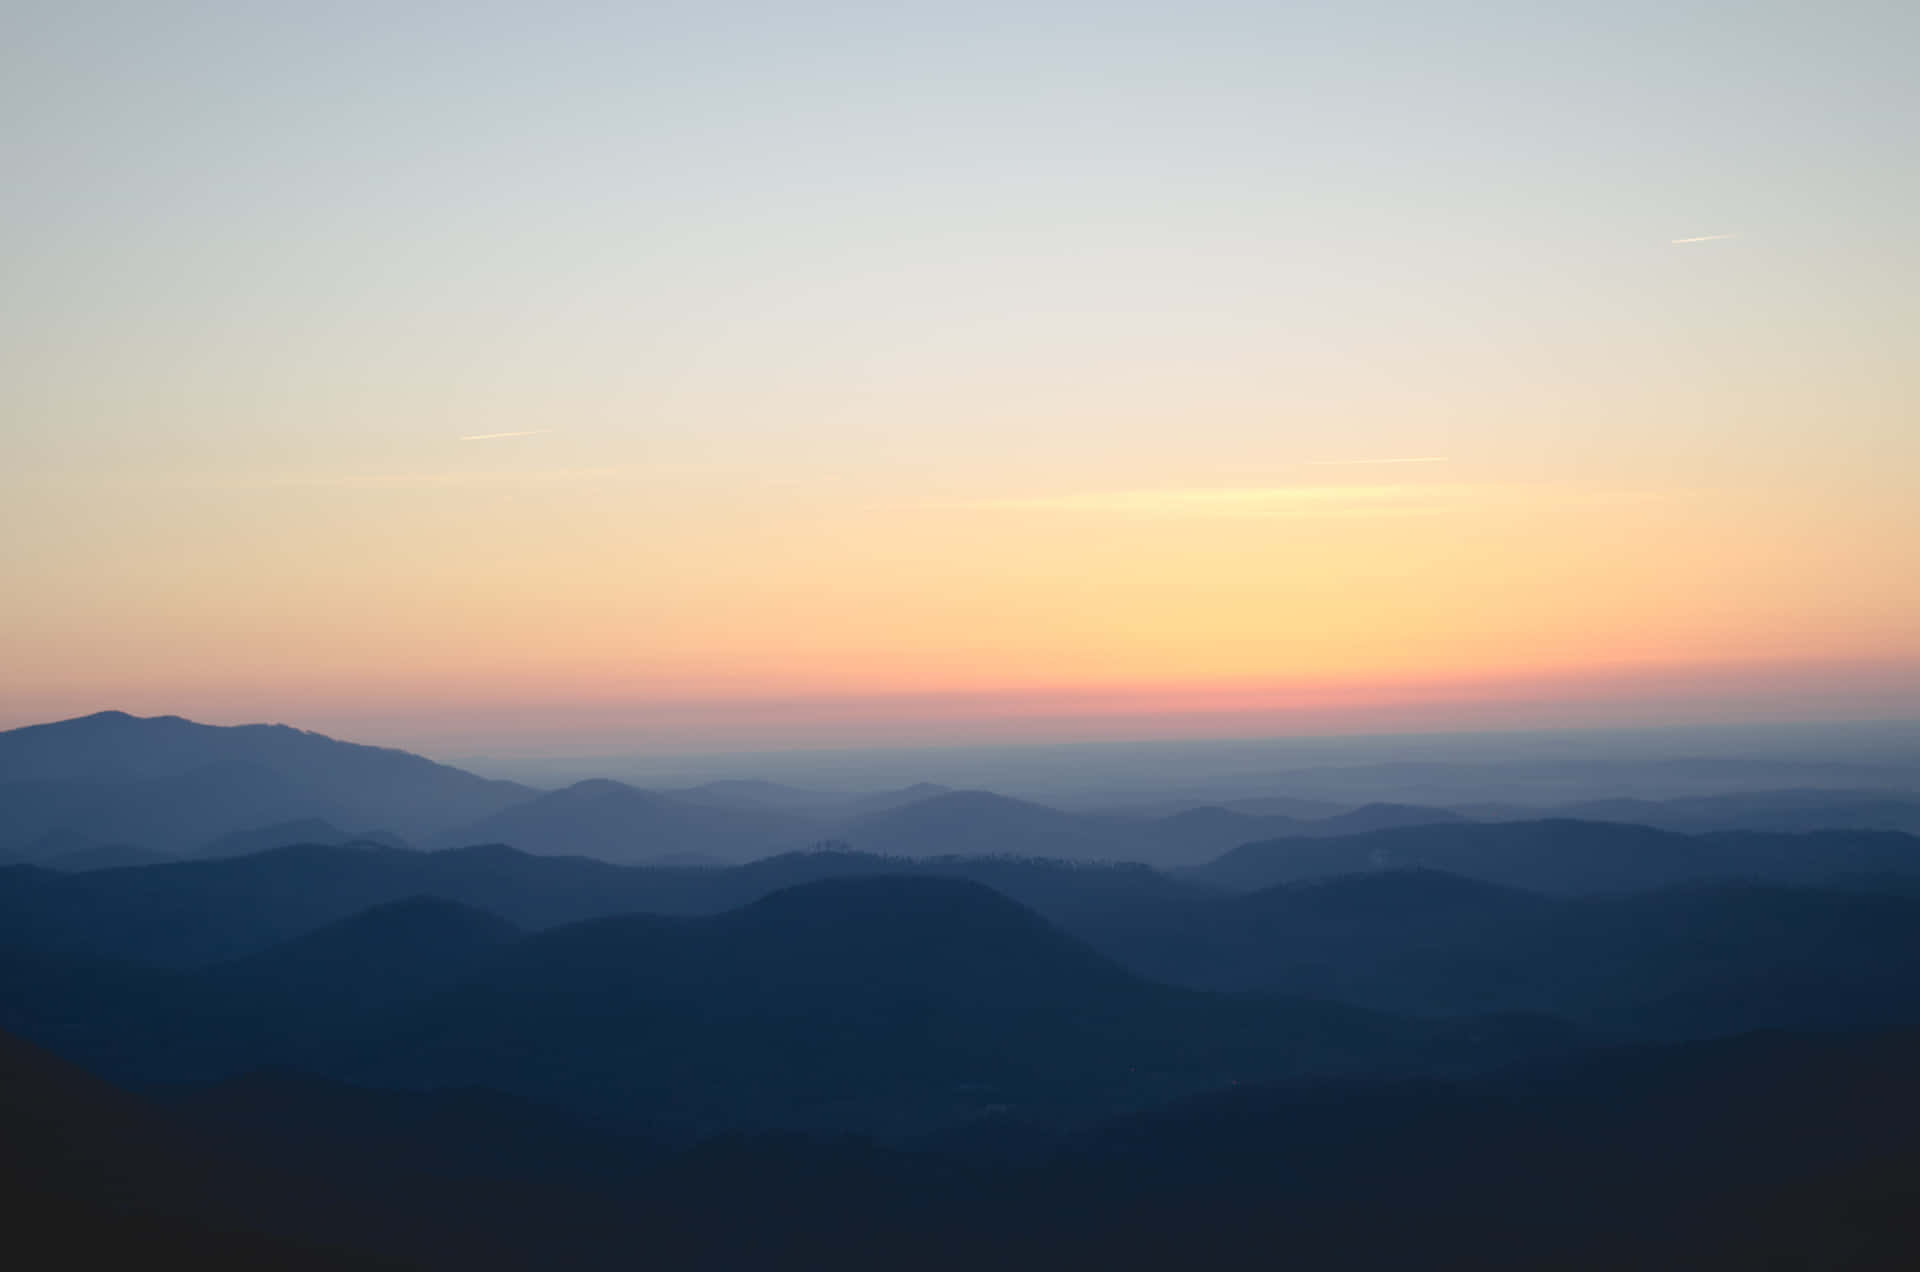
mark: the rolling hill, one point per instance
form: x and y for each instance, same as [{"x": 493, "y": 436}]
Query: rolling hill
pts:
[
  {"x": 171, "y": 785},
  {"x": 619, "y": 823},
  {"x": 980, "y": 823},
  {"x": 1563, "y": 856}
]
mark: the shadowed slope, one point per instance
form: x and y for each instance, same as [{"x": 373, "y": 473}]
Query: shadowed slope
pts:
[
  {"x": 386, "y": 954},
  {"x": 102, "y": 1178},
  {"x": 191, "y": 913},
  {"x": 1692, "y": 960},
  {"x": 880, "y": 1003},
  {"x": 1570, "y": 856},
  {"x": 172, "y": 784},
  {"x": 308, "y": 830},
  {"x": 1766, "y": 1150},
  {"x": 964, "y": 823},
  {"x": 1370, "y": 817},
  {"x": 619, "y": 823}
]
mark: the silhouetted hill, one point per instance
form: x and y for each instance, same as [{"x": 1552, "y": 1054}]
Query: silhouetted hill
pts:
[
  {"x": 99, "y": 857},
  {"x": 621, "y": 823},
  {"x": 1288, "y": 806},
  {"x": 1570, "y": 856},
  {"x": 1072, "y": 894},
  {"x": 1406, "y": 941},
  {"x": 1380, "y": 817},
  {"x": 1546, "y": 856},
  {"x": 827, "y": 807},
  {"x": 1198, "y": 835},
  {"x": 1815, "y": 856},
  {"x": 273, "y": 1007},
  {"x": 1389, "y": 898},
  {"x": 174, "y": 814},
  {"x": 882, "y": 1003},
  {"x": 306, "y": 830},
  {"x": 1688, "y": 961},
  {"x": 879, "y": 1002},
  {"x": 171, "y": 784},
  {"x": 754, "y": 793},
  {"x": 1783, "y": 811},
  {"x": 1308, "y": 937},
  {"x": 979, "y": 822},
  {"x": 883, "y": 935},
  {"x": 183, "y": 914},
  {"x": 389, "y": 953},
  {"x": 186, "y": 914},
  {"x": 963, "y": 823},
  {"x": 881, "y": 801}
]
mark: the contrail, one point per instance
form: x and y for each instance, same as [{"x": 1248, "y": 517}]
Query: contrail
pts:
[
  {"x": 488, "y": 437},
  {"x": 1416, "y": 459},
  {"x": 1704, "y": 238}
]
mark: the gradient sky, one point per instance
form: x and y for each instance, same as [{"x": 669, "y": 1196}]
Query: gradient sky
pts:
[{"x": 710, "y": 375}]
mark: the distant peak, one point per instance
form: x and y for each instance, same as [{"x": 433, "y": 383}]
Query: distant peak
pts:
[
  {"x": 602, "y": 786},
  {"x": 974, "y": 799},
  {"x": 486, "y": 852}
]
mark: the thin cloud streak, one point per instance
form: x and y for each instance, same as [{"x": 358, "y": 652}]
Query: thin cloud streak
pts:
[
  {"x": 1399, "y": 500},
  {"x": 493, "y": 437},
  {"x": 1242, "y": 501},
  {"x": 1704, "y": 238},
  {"x": 1342, "y": 463},
  {"x": 408, "y": 481}
]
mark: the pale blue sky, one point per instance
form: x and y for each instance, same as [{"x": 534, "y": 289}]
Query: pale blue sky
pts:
[{"x": 263, "y": 257}]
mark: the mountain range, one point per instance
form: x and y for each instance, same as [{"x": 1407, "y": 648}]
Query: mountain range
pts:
[
  {"x": 959, "y": 1030},
  {"x": 291, "y": 947},
  {"x": 113, "y": 789},
  {"x": 882, "y": 1002}
]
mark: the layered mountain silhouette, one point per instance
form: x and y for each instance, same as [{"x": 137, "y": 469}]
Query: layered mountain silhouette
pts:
[
  {"x": 171, "y": 785},
  {"x": 306, "y": 830},
  {"x": 873, "y": 1001},
  {"x": 979, "y": 823},
  {"x": 778, "y": 797},
  {"x": 1411, "y": 940},
  {"x": 114, "y": 789},
  {"x": 1565, "y": 856},
  {"x": 386, "y": 954},
  {"x": 961, "y": 1030},
  {"x": 168, "y": 815},
  {"x": 191, "y": 913},
  {"x": 66, "y": 850},
  {"x": 1694, "y": 960},
  {"x": 1784, "y": 811},
  {"x": 616, "y": 822}
]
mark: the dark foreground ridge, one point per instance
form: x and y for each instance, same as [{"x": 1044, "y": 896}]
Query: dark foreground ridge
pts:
[{"x": 1767, "y": 1150}]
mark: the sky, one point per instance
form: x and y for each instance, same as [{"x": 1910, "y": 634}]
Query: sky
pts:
[{"x": 736, "y": 375}]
